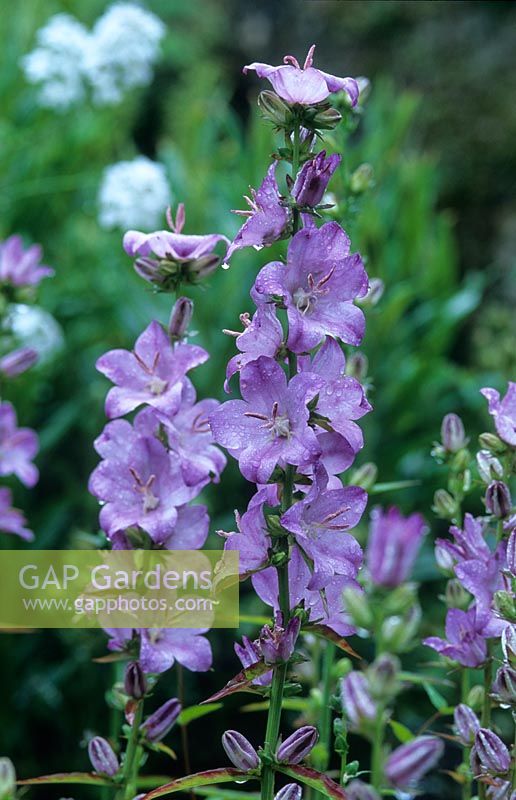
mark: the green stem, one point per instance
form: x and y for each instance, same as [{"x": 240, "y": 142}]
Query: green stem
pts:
[
  {"x": 377, "y": 751},
  {"x": 486, "y": 707},
  {"x": 325, "y": 724},
  {"x": 132, "y": 755},
  {"x": 466, "y": 786},
  {"x": 295, "y": 169}
]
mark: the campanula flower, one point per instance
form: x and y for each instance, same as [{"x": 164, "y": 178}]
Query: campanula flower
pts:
[
  {"x": 298, "y": 745},
  {"x": 11, "y": 519},
  {"x": 503, "y": 412},
  {"x": 161, "y": 648},
  {"x": 305, "y": 85},
  {"x": 318, "y": 285},
  {"x": 262, "y": 336},
  {"x": 156, "y": 727},
  {"x": 453, "y": 435},
  {"x": 277, "y": 643},
  {"x": 289, "y": 792},
  {"x": 249, "y": 653},
  {"x": 468, "y": 541},
  {"x": 20, "y": 267},
  {"x": 252, "y": 538},
  {"x": 18, "y": 446},
  {"x": 313, "y": 178},
  {"x": 356, "y": 699},
  {"x": 393, "y": 545},
  {"x": 102, "y": 757},
  {"x": 240, "y": 751},
  {"x": 491, "y": 752},
  {"x": 466, "y": 724},
  {"x": 464, "y": 641},
  {"x": 407, "y": 764}
]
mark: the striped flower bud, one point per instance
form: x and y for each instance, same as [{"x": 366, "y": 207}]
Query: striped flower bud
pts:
[
  {"x": 511, "y": 553},
  {"x": 453, "y": 435},
  {"x": 466, "y": 724},
  {"x": 491, "y": 752},
  {"x": 356, "y": 698},
  {"x": 509, "y": 644},
  {"x": 240, "y": 751},
  {"x": 358, "y": 790},
  {"x": 180, "y": 318},
  {"x": 18, "y": 361},
  {"x": 297, "y": 746},
  {"x": 160, "y": 723},
  {"x": 489, "y": 467},
  {"x": 135, "y": 684},
  {"x": 407, "y": 764},
  {"x": 504, "y": 686},
  {"x": 102, "y": 757},
  {"x": 498, "y": 499},
  {"x": 289, "y": 792}
]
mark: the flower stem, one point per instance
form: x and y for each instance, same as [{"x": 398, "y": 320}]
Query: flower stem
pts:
[
  {"x": 325, "y": 724},
  {"x": 132, "y": 755},
  {"x": 377, "y": 750}
]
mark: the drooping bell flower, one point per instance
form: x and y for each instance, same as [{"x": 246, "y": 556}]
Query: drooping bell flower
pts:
[
  {"x": 393, "y": 545},
  {"x": 503, "y": 412}
]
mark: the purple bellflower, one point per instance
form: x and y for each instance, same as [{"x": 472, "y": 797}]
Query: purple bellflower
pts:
[
  {"x": 468, "y": 542},
  {"x": 262, "y": 336},
  {"x": 161, "y": 721},
  {"x": 503, "y": 412},
  {"x": 252, "y": 539},
  {"x": 161, "y": 648},
  {"x": 465, "y": 641},
  {"x": 269, "y": 426},
  {"x": 409, "y": 763},
  {"x": 298, "y": 745},
  {"x": 249, "y": 653},
  {"x": 313, "y": 178},
  {"x": 466, "y": 724},
  {"x": 152, "y": 373},
  {"x": 240, "y": 751},
  {"x": 19, "y": 267},
  {"x": 305, "y": 85},
  {"x": 356, "y": 699},
  {"x": 18, "y": 446},
  {"x": 268, "y": 218},
  {"x": 11, "y": 519},
  {"x": 393, "y": 545},
  {"x": 277, "y": 643},
  {"x": 318, "y": 285}
]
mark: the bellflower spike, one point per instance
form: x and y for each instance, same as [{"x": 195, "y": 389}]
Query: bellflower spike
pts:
[
  {"x": 356, "y": 699},
  {"x": 18, "y": 446},
  {"x": 262, "y": 336},
  {"x": 464, "y": 641},
  {"x": 102, "y": 757},
  {"x": 407, "y": 764},
  {"x": 491, "y": 752},
  {"x": 305, "y": 85},
  {"x": 277, "y": 644},
  {"x": 152, "y": 373},
  {"x": 289, "y": 792},
  {"x": 466, "y": 724},
  {"x": 19, "y": 267},
  {"x": 268, "y": 218},
  {"x": 240, "y": 751},
  {"x": 269, "y": 426},
  {"x": 161, "y": 648},
  {"x": 313, "y": 178},
  {"x": 156, "y": 727},
  {"x": 11, "y": 519},
  {"x": 318, "y": 287},
  {"x": 503, "y": 412},
  {"x": 393, "y": 545},
  {"x": 298, "y": 745}
]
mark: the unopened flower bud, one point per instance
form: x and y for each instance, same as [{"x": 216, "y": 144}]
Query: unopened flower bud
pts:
[
  {"x": 456, "y": 595},
  {"x": 18, "y": 361},
  {"x": 509, "y": 644},
  {"x": 383, "y": 676},
  {"x": 365, "y": 476},
  {"x": 356, "y": 699},
  {"x": 504, "y": 685},
  {"x": 324, "y": 118},
  {"x": 7, "y": 779},
  {"x": 312, "y": 179},
  {"x": 135, "y": 683},
  {"x": 358, "y": 608},
  {"x": 398, "y": 631},
  {"x": 444, "y": 559},
  {"x": 444, "y": 504},
  {"x": 499, "y": 789},
  {"x": 160, "y": 723},
  {"x": 475, "y": 698},
  {"x": 357, "y": 367},
  {"x": 180, "y": 317},
  {"x": 408, "y": 763},
  {"x": 364, "y": 89},
  {"x": 289, "y": 792},
  {"x": 511, "y": 553},
  {"x": 374, "y": 293},
  {"x": 274, "y": 109},
  {"x": 489, "y": 467},
  {"x": 493, "y": 443},
  {"x": 102, "y": 757},
  {"x": 297, "y": 746},
  {"x": 202, "y": 267},
  {"x": 498, "y": 499},
  {"x": 466, "y": 724},
  {"x": 240, "y": 751},
  {"x": 361, "y": 179},
  {"x": 491, "y": 752},
  {"x": 400, "y": 600},
  {"x": 505, "y": 604},
  {"x": 453, "y": 435},
  {"x": 358, "y": 790}
]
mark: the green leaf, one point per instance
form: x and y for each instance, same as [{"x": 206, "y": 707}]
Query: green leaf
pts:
[
  {"x": 225, "y": 794},
  {"x": 195, "y": 712},
  {"x": 288, "y": 704},
  {"x": 393, "y": 486},
  {"x": 401, "y": 732},
  {"x": 314, "y": 779},
  {"x": 206, "y": 778},
  {"x": 241, "y": 682},
  {"x": 69, "y": 777},
  {"x": 435, "y": 697},
  {"x": 327, "y": 633}
]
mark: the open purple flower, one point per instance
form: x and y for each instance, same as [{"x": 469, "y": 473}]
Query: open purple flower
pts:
[
  {"x": 11, "y": 519},
  {"x": 277, "y": 643},
  {"x": 18, "y": 446},
  {"x": 268, "y": 218},
  {"x": 313, "y": 178},
  {"x": 468, "y": 542},
  {"x": 319, "y": 523},
  {"x": 464, "y": 641},
  {"x": 262, "y": 336},
  {"x": 139, "y": 482},
  {"x": 252, "y": 539},
  {"x": 269, "y": 426},
  {"x": 152, "y": 373},
  {"x": 304, "y": 85},
  {"x": 483, "y": 577},
  {"x": 19, "y": 267},
  {"x": 393, "y": 545},
  {"x": 317, "y": 285},
  {"x": 161, "y": 648},
  {"x": 250, "y": 653},
  {"x": 503, "y": 412}
]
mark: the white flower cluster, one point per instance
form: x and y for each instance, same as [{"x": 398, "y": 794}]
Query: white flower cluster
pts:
[
  {"x": 117, "y": 55},
  {"x": 133, "y": 194}
]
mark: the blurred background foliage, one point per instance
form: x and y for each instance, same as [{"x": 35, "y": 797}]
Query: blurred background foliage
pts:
[{"x": 438, "y": 226}]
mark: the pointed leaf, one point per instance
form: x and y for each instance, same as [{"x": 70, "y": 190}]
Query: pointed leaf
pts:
[
  {"x": 401, "y": 732},
  {"x": 327, "y": 633},
  {"x": 435, "y": 697},
  {"x": 195, "y": 712},
  {"x": 206, "y": 778},
  {"x": 69, "y": 777},
  {"x": 241, "y": 682},
  {"x": 317, "y": 780}
]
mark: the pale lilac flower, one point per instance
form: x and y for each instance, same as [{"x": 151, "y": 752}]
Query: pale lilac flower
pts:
[
  {"x": 152, "y": 373},
  {"x": 468, "y": 542},
  {"x": 18, "y": 446},
  {"x": 161, "y": 648},
  {"x": 407, "y": 764},
  {"x": 499, "y": 789},
  {"x": 503, "y": 412},
  {"x": 320, "y": 522},
  {"x": 277, "y": 643},
  {"x": 262, "y": 336},
  {"x": 249, "y": 653},
  {"x": 240, "y": 751},
  {"x": 304, "y": 85},
  {"x": 356, "y": 699},
  {"x": 268, "y": 217},
  {"x": 19, "y": 267},
  {"x": 18, "y": 361},
  {"x": 138, "y": 482},
  {"x": 483, "y": 577},
  {"x": 11, "y": 519},
  {"x": 135, "y": 682},
  {"x": 156, "y": 727},
  {"x": 252, "y": 538},
  {"x": 393, "y": 545},
  {"x": 464, "y": 641},
  {"x": 504, "y": 685},
  {"x": 269, "y": 425},
  {"x": 511, "y": 553},
  {"x": 298, "y": 745},
  {"x": 318, "y": 285},
  {"x": 453, "y": 435},
  {"x": 180, "y": 318},
  {"x": 313, "y": 178}
]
